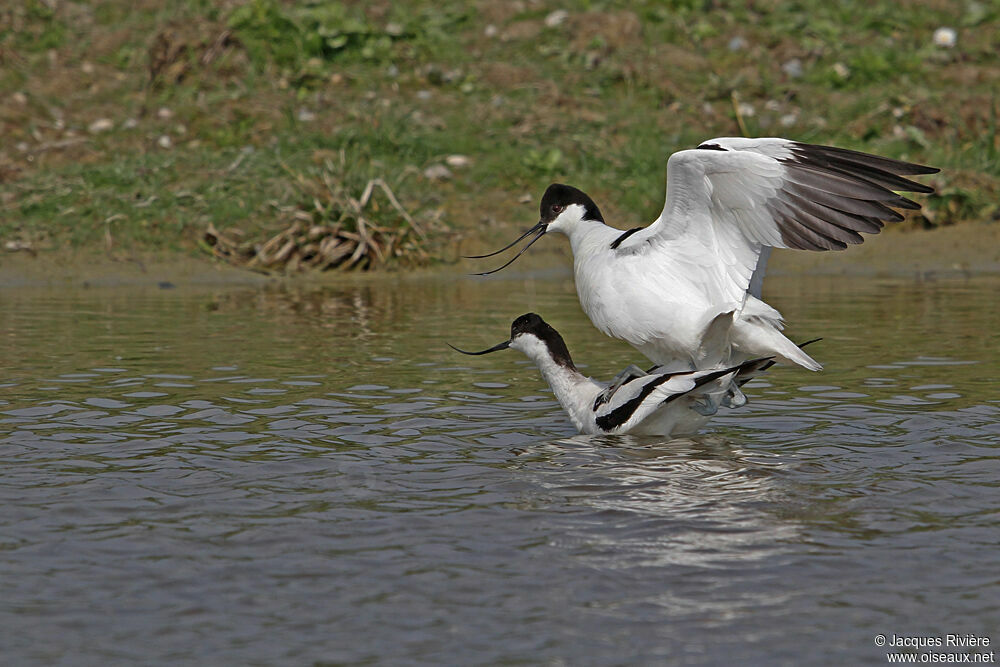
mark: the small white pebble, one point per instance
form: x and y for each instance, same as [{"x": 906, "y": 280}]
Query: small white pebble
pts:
[
  {"x": 165, "y": 141},
  {"x": 306, "y": 116},
  {"x": 556, "y": 18},
  {"x": 164, "y": 113},
  {"x": 100, "y": 125},
  {"x": 945, "y": 38},
  {"x": 437, "y": 172},
  {"x": 491, "y": 31},
  {"x": 87, "y": 67},
  {"x": 841, "y": 70},
  {"x": 423, "y": 95},
  {"x": 737, "y": 43},
  {"x": 788, "y": 119},
  {"x": 19, "y": 98},
  {"x": 746, "y": 109},
  {"x": 793, "y": 68},
  {"x": 130, "y": 124},
  {"x": 458, "y": 161}
]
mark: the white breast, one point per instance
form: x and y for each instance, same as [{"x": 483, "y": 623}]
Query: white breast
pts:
[{"x": 661, "y": 308}]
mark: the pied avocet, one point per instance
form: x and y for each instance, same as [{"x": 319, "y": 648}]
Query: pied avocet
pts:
[
  {"x": 653, "y": 403},
  {"x": 686, "y": 290}
]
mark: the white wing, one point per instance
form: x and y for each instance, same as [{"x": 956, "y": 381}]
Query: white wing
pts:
[{"x": 734, "y": 197}]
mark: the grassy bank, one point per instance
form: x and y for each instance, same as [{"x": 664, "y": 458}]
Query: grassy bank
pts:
[{"x": 133, "y": 126}]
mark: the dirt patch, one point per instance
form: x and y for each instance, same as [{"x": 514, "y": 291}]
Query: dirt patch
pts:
[
  {"x": 610, "y": 30},
  {"x": 506, "y": 76},
  {"x": 961, "y": 250}
]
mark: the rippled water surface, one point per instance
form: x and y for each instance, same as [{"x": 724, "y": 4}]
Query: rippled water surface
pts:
[{"x": 299, "y": 475}]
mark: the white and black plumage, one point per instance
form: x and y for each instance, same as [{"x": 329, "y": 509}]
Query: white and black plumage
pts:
[
  {"x": 653, "y": 403},
  {"x": 685, "y": 290}
]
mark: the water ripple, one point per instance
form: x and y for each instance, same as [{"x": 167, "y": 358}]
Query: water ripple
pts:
[{"x": 246, "y": 504}]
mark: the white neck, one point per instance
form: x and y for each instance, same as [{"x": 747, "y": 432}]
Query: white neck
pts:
[
  {"x": 574, "y": 391},
  {"x": 588, "y": 237},
  {"x": 591, "y": 237}
]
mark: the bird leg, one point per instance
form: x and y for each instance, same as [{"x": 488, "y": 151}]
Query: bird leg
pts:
[
  {"x": 632, "y": 372},
  {"x": 734, "y": 398},
  {"x": 704, "y": 406}
]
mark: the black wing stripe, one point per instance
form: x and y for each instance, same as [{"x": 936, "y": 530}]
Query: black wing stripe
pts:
[
  {"x": 618, "y": 241},
  {"x": 703, "y": 380},
  {"x": 749, "y": 369},
  {"x": 624, "y": 412}
]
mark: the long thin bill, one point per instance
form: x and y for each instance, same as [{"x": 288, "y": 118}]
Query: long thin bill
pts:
[
  {"x": 509, "y": 245},
  {"x": 541, "y": 233},
  {"x": 500, "y": 346}
]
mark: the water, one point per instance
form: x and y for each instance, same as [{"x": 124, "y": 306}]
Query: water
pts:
[{"x": 308, "y": 475}]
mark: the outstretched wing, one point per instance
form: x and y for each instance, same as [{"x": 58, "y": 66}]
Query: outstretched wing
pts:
[{"x": 734, "y": 197}]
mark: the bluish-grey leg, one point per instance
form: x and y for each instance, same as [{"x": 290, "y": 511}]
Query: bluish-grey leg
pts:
[{"x": 632, "y": 372}]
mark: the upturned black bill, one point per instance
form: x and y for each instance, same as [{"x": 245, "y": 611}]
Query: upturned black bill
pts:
[
  {"x": 539, "y": 228},
  {"x": 500, "y": 346},
  {"x": 509, "y": 245}
]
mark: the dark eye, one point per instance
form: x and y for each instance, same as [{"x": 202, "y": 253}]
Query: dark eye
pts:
[{"x": 557, "y": 209}]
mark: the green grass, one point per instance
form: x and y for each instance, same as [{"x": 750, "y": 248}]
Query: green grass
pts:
[{"x": 259, "y": 98}]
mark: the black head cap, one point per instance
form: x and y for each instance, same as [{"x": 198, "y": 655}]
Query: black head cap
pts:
[
  {"x": 533, "y": 324},
  {"x": 558, "y": 196}
]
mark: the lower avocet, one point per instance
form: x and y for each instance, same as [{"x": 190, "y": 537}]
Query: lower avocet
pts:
[{"x": 653, "y": 403}]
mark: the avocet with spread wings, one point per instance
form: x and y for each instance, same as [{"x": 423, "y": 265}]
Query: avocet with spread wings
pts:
[{"x": 686, "y": 290}]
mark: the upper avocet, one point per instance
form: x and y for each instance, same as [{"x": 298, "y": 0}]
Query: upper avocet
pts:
[
  {"x": 654, "y": 403},
  {"x": 685, "y": 291}
]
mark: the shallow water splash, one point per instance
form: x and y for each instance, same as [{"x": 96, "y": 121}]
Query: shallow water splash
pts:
[{"x": 310, "y": 475}]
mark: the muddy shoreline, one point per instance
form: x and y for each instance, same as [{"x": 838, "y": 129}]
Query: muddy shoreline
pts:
[{"x": 950, "y": 251}]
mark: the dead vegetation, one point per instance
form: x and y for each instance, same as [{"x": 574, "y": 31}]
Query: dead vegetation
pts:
[
  {"x": 339, "y": 232},
  {"x": 181, "y": 50}
]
